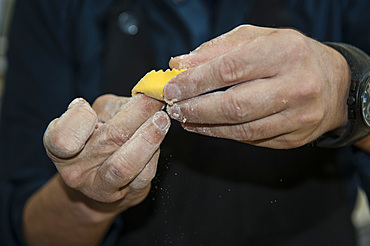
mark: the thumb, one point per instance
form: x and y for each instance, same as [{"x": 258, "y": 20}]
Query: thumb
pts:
[{"x": 67, "y": 135}]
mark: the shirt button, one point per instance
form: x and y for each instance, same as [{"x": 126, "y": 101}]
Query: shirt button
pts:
[{"x": 128, "y": 23}]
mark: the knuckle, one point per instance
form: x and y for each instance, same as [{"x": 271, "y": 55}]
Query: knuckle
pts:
[
  {"x": 260, "y": 131},
  {"x": 116, "y": 176},
  {"x": 123, "y": 167},
  {"x": 245, "y": 28},
  {"x": 308, "y": 88},
  {"x": 294, "y": 45},
  {"x": 120, "y": 169},
  {"x": 116, "y": 171},
  {"x": 144, "y": 179},
  {"x": 102, "y": 99},
  {"x": 117, "y": 135},
  {"x": 244, "y": 133},
  {"x": 232, "y": 110},
  {"x": 298, "y": 46},
  {"x": 72, "y": 177},
  {"x": 312, "y": 118},
  {"x": 229, "y": 70}
]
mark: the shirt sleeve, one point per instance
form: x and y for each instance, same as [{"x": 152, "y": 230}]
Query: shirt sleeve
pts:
[{"x": 50, "y": 62}]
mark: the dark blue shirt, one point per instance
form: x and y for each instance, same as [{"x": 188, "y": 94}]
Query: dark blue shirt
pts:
[{"x": 56, "y": 53}]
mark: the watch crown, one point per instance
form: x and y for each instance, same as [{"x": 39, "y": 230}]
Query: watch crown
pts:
[{"x": 351, "y": 100}]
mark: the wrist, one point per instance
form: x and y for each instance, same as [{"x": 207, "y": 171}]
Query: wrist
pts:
[
  {"x": 342, "y": 76},
  {"x": 57, "y": 215},
  {"x": 358, "y": 118},
  {"x": 86, "y": 209}
]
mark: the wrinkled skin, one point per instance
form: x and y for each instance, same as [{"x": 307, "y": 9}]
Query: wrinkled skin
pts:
[
  {"x": 109, "y": 151},
  {"x": 106, "y": 156},
  {"x": 280, "y": 89}
]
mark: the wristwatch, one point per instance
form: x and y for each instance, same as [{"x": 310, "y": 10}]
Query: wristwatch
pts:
[{"x": 358, "y": 124}]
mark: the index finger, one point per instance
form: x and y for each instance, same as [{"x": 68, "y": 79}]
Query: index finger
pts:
[
  {"x": 118, "y": 130},
  {"x": 130, "y": 159},
  {"x": 243, "y": 63},
  {"x": 218, "y": 46},
  {"x": 239, "y": 104}
]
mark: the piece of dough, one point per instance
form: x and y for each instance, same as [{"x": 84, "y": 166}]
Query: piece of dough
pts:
[{"x": 152, "y": 83}]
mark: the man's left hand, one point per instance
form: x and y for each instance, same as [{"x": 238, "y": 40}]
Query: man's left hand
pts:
[{"x": 268, "y": 87}]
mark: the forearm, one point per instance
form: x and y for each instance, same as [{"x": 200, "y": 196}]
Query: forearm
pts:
[{"x": 56, "y": 215}]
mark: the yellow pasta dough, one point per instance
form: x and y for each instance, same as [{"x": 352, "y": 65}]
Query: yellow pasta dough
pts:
[{"x": 152, "y": 83}]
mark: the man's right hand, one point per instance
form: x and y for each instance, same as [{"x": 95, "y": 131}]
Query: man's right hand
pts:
[{"x": 107, "y": 154}]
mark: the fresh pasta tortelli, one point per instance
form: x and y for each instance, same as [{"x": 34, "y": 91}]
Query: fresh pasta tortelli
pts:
[{"x": 152, "y": 83}]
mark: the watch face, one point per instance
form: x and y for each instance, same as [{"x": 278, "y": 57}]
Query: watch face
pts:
[{"x": 366, "y": 103}]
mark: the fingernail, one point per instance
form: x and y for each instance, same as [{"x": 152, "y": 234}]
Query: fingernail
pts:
[
  {"x": 172, "y": 92},
  {"x": 179, "y": 62},
  {"x": 76, "y": 101},
  {"x": 174, "y": 112},
  {"x": 189, "y": 128},
  {"x": 160, "y": 120}
]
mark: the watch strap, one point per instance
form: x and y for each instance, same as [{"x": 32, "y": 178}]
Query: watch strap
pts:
[{"x": 356, "y": 129}]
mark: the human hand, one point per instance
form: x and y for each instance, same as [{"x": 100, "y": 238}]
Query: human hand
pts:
[
  {"x": 108, "y": 153},
  {"x": 284, "y": 89}
]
